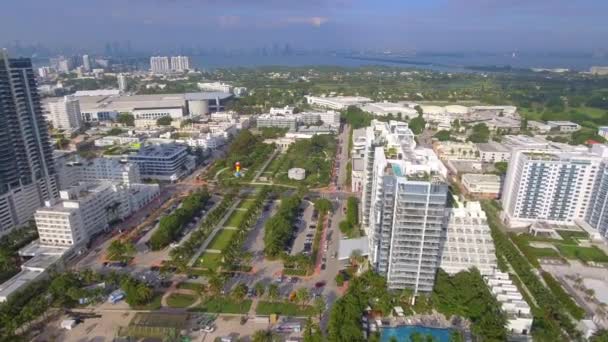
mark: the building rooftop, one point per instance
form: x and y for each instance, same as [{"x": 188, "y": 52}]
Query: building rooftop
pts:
[
  {"x": 347, "y": 246},
  {"x": 17, "y": 282},
  {"x": 161, "y": 150},
  {"x": 481, "y": 178}
]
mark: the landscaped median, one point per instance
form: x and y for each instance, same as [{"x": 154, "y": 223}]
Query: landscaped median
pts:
[
  {"x": 224, "y": 305},
  {"x": 266, "y": 308},
  {"x": 180, "y": 300}
]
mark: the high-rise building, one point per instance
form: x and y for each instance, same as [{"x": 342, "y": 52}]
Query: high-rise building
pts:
[
  {"x": 122, "y": 83},
  {"x": 45, "y": 71},
  {"x": 27, "y": 175},
  {"x": 159, "y": 64},
  {"x": 86, "y": 63},
  {"x": 551, "y": 183},
  {"x": 65, "y": 113},
  {"x": 180, "y": 63},
  {"x": 403, "y": 202}
]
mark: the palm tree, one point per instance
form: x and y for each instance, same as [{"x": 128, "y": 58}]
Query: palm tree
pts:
[
  {"x": 319, "y": 305},
  {"x": 273, "y": 292},
  {"x": 302, "y": 296},
  {"x": 259, "y": 289},
  {"x": 265, "y": 336}
]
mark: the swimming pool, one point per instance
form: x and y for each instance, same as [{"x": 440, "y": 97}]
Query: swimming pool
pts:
[{"x": 403, "y": 333}]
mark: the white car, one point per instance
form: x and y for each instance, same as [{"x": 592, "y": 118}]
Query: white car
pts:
[{"x": 209, "y": 329}]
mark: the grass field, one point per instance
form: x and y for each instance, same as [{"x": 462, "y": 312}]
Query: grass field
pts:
[
  {"x": 248, "y": 203},
  {"x": 180, "y": 300},
  {"x": 590, "y": 111},
  {"x": 210, "y": 260},
  {"x": 544, "y": 252},
  {"x": 189, "y": 286},
  {"x": 154, "y": 303},
  {"x": 571, "y": 238},
  {"x": 235, "y": 219},
  {"x": 222, "y": 239},
  {"x": 286, "y": 309},
  {"x": 224, "y": 305},
  {"x": 585, "y": 254}
]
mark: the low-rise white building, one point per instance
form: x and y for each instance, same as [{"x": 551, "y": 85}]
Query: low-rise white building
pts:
[
  {"x": 296, "y": 173},
  {"x": 493, "y": 152},
  {"x": 336, "y": 102},
  {"x": 405, "y": 109},
  {"x": 468, "y": 240},
  {"x": 116, "y": 140},
  {"x": 483, "y": 186},
  {"x": 287, "y": 110},
  {"x": 538, "y": 126},
  {"x": 451, "y": 150},
  {"x": 519, "y": 315},
  {"x": 564, "y": 126},
  {"x": 602, "y": 131}
]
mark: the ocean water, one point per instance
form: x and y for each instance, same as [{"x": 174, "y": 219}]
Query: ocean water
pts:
[
  {"x": 451, "y": 63},
  {"x": 403, "y": 333}
]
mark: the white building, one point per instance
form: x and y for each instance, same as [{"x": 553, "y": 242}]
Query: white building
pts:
[
  {"x": 487, "y": 186},
  {"x": 468, "y": 240},
  {"x": 165, "y": 162},
  {"x": 602, "y": 131},
  {"x": 287, "y": 110},
  {"x": 330, "y": 118},
  {"x": 452, "y": 150},
  {"x": 564, "y": 126},
  {"x": 296, "y": 173},
  {"x": 519, "y": 314},
  {"x": 116, "y": 140},
  {"x": 493, "y": 152},
  {"x": 86, "y": 209},
  {"x": 337, "y": 102},
  {"x": 159, "y": 65},
  {"x": 358, "y": 159},
  {"x": 538, "y": 126},
  {"x": 86, "y": 63},
  {"x": 72, "y": 170},
  {"x": 215, "y": 86},
  {"x": 45, "y": 71},
  {"x": 279, "y": 121},
  {"x": 122, "y": 82},
  {"x": 403, "y": 201},
  {"x": 405, "y": 109},
  {"x": 65, "y": 114},
  {"x": 180, "y": 63},
  {"x": 551, "y": 182}
]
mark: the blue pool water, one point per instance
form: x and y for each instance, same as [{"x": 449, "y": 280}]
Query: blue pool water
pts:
[{"x": 403, "y": 333}]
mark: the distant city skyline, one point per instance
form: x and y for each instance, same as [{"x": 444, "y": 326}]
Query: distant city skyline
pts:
[{"x": 158, "y": 26}]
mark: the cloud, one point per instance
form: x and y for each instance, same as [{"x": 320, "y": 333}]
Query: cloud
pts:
[
  {"x": 313, "y": 21},
  {"x": 229, "y": 21}
]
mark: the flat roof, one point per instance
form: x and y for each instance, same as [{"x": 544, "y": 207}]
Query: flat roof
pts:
[
  {"x": 347, "y": 246},
  {"x": 17, "y": 282},
  {"x": 35, "y": 248},
  {"x": 492, "y": 146},
  {"x": 478, "y": 178}
]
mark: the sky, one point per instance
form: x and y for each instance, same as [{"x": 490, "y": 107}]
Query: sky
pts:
[{"x": 419, "y": 25}]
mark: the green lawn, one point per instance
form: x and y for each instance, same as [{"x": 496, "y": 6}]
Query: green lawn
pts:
[
  {"x": 571, "y": 238},
  {"x": 248, "y": 203},
  {"x": 286, "y": 309},
  {"x": 154, "y": 304},
  {"x": 180, "y": 300},
  {"x": 189, "y": 286},
  {"x": 210, "y": 260},
  {"x": 544, "y": 252},
  {"x": 585, "y": 254},
  {"x": 222, "y": 239},
  {"x": 224, "y": 305},
  {"x": 235, "y": 219}
]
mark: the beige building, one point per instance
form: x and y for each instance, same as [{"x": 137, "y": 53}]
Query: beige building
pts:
[
  {"x": 486, "y": 186},
  {"x": 450, "y": 150}
]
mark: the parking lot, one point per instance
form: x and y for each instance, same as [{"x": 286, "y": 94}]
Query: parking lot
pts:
[{"x": 306, "y": 225}]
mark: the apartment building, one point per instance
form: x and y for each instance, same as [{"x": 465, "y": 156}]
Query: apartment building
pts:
[
  {"x": 552, "y": 183},
  {"x": 468, "y": 240},
  {"x": 165, "y": 162},
  {"x": 65, "y": 114},
  {"x": 403, "y": 201},
  {"x": 159, "y": 64}
]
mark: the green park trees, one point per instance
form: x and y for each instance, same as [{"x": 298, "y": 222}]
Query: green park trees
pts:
[
  {"x": 278, "y": 229},
  {"x": 121, "y": 250},
  {"x": 126, "y": 119},
  {"x": 171, "y": 225},
  {"x": 480, "y": 133},
  {"x": 350, "y": 226},
  {"x": 164, "y": 121}
]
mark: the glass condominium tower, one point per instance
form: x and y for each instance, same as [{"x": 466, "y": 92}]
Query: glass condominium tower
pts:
[
  {"x": 404, "y": 198},
  {"x": 27, "y": 176}
]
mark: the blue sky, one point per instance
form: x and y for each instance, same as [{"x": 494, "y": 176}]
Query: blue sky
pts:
[{"x": 439, "y": 25}]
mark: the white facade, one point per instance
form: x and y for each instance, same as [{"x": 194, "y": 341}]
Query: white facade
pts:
[
  {"x": 65, "y": 114},
  {"x": 86, "y": 63},
  {"x": 330, "y": 117},
  {"x": 403, "y": 200},
  {"x": 86, "y": 209},
  {"x": 165, "y": 162},
  {"x": 180, "y": 63},
  {"x": 603, "y": 132},
  {"x": 493, "y": 152},
  {"x": 115, "y": 140},
  {"x": 122, "y": 82},
  {"x": 519, "y": 314},
  {"x": 215, "y": 86},
  {"x": 287, "y": 110},
  {"x": 337, "y": 102},
  {"x": 468, "y": 240},
  {"x": 564, "y": 126},
  {"x": 296, "y": 173},
  {"x": 481, "y": 185},
  {"x": 45, "y": 71},
  {"x": 159, "y": 65},
  {"x": 451, "y": 150},
  {"x": 405, "y": 109},
  {"x": 553, "y": 183}
]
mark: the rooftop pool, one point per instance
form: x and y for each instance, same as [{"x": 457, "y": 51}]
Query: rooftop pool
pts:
[{"x": 404, "y": 332}]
